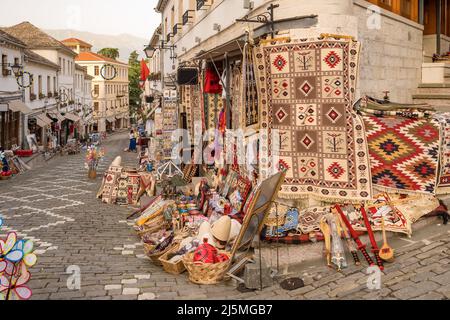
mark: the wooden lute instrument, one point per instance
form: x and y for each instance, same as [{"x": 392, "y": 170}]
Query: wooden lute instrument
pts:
[{"x": 386, "y": 252}]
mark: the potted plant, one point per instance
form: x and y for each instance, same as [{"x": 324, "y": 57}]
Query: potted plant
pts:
[
  {"x": 93, "y": 157},
  {"x": 41, "y": 96},
  {"x": 49, "y": 94},
  {"x": 32, "y": 96}
]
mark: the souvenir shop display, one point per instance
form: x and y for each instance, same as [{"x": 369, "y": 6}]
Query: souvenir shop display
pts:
[
  {"x": 11, "y": 164},
  {"x": 200, "y": 231},
  {"x": 93, "y": 157},
  {"x": 6, "y": 172},
  {"x": 320, "y": 168}
]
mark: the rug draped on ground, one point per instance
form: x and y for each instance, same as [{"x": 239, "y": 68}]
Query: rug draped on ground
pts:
[
  {"x": 443, "y": 186},
  {"x": 306, "y": 92}
]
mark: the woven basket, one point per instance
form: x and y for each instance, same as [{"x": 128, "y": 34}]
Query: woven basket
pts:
[
  {"x": 155, "y": 257},
  {"x": 206, "y": 273},
  {"x": 153, "y": 227},
  {"x": 170, "y": 267}
]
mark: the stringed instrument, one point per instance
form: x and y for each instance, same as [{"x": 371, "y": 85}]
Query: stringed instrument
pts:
[
  {"x": 386, "y": 252},
  {"x": 325, "y": 228}
]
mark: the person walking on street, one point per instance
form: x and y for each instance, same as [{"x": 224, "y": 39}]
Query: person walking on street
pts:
[{"x": 132, "y": 146}]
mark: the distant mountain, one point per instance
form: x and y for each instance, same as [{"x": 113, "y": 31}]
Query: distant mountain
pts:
[{"x": 125, "y": 43}]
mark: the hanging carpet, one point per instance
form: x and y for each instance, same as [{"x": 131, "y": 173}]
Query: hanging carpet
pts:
[
  {"x": 306, "y": 92},
  {"x": 404, "y": 153}
]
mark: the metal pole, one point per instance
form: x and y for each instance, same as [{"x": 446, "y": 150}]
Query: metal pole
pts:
[{"x": 421, "y": 11}]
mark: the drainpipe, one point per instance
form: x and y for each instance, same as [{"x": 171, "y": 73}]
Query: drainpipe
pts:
[
  {"x": 438, "y": 25},
  {"x": 421, "y": 11}
]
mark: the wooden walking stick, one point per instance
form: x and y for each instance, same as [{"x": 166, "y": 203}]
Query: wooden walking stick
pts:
[
  {"x": 373, "y": 241},
  {"x": 361, "y": 246}
]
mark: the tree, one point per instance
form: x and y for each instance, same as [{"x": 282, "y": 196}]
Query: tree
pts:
[
  {"x": 134, "y": 74},
  {"x": 112, "y": 53}
]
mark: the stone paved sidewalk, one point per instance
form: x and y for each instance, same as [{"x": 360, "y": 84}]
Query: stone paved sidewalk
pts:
[{"x": 56, "y": 207}]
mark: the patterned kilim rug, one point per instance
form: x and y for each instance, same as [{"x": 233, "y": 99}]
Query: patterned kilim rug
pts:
[
  {"x": 306, "y": 93},
  {"x": 250, "y": 103},
  {"x": 196, "y": 114},
  {"x": 443, "y": 186},
  {"x": 236, "y": 98},
  {"x": 404, "y": 153},
  {"x": 170, "y": 123},
  {"x": 110, "y": 186},
  {"x": 186, "y": 93},
  {"x": 309, "y": 219},
  {"x": 213, "y": 106}
]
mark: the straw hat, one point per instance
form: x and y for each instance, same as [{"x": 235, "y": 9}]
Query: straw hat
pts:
[
  {"x": 117, "y": 162},
  {"x": 235, "y": 229},
  {"x": 204, "y": 229},
  {"x": 221, "y": 228},
  {"x": 186, "y": 241}
]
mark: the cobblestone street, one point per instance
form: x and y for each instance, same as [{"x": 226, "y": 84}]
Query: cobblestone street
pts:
[{"x": 55, "y": 206}]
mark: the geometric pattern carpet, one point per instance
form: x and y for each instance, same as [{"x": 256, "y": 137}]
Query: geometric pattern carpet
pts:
[
  {"x": 404, "y": 153},
  {"x": 306, "y": 89}
]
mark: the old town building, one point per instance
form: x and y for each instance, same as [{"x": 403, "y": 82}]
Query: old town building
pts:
[
  {"x": 399, "y": 37},
  {"x": 109, "y": 89}
]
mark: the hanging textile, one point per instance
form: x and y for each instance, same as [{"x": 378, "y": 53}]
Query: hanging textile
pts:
[
  {"x": 236, "y": 98},
  {"x": 250, "y": 104},
  {"x": 212, "y": 82},
  {"x": 213, "y": 106},
  {"x": 307, "y": 89},
  {"x": 170, "y": 124},
  {"x": 403, "y": 153}
]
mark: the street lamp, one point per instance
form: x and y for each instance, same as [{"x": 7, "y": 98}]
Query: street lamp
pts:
[
  {"x": 16, "y": 69},
  {"x": 149, "y": 51}
]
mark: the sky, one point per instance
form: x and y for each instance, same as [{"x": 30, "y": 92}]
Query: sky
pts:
[{"x": 135, "y": 17}]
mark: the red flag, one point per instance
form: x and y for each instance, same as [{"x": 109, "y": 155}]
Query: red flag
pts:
[{"x": 145, "y": 71}]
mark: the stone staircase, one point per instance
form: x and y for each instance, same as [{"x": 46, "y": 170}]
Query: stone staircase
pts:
[{"x": 435, "y": 86}]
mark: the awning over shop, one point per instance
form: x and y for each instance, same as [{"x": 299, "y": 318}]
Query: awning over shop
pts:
[
  {"x": 57, "y": 116},
  {"x": 232, "y": 48},
  {"x": 72, "y": 117},
  {"x": 19, "y": 106},
  {"x": 42, "y": 121}
]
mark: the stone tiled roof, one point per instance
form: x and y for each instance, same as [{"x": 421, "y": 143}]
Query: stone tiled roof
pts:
[
  {"x": 9, "y": 38},
  {"x": 35, "y": 38},
  {"x": 91, "y": 56},
  {"x": 74, "y": 41}
]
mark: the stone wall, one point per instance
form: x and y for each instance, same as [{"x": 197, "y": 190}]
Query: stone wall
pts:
[{"x": 391, "y": 56}]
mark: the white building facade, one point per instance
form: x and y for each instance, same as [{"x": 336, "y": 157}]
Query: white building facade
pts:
[{"x": 394, "y": 34}]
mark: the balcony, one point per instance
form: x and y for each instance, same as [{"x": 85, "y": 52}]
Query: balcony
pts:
[
  {"x": 201, "y": 4},
  {"x": 176, "y": 27},
  {"x": 187, "y": 19}
]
